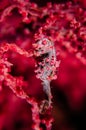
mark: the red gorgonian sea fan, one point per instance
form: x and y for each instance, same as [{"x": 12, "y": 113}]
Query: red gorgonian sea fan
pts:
[{"x": 34, "y": 35}]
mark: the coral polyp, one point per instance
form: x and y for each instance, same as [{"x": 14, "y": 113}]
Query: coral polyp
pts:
[{"x": 42, "y": 47}]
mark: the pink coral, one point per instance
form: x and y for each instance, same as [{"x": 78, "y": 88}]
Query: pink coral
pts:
[{"x": 42, "y": 35}]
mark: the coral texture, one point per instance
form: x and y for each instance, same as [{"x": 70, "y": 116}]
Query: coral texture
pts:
[{"x": 42, "y": 46}]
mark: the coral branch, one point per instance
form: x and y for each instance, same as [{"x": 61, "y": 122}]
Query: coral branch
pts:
[{"x": 16, "y": 84}]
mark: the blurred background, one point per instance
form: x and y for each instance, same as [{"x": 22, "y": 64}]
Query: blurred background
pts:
[{"x": 69, "y": 89}]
